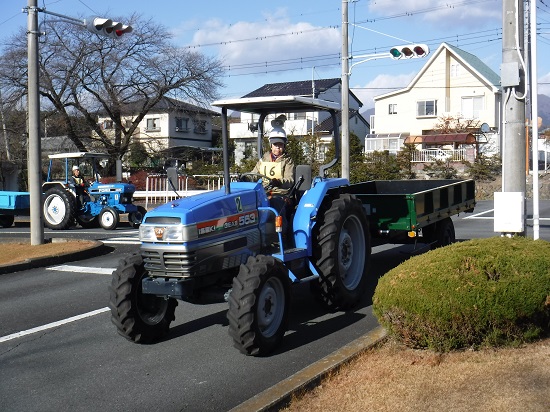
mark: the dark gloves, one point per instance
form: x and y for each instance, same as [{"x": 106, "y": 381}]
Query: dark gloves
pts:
[{"x": 275, "y": 183}]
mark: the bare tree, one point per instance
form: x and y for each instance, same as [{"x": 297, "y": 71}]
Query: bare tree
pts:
[{"x": 89, "y": 75}]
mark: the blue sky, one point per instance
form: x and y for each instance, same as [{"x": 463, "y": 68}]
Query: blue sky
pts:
[{"x": 268, "y": 42}]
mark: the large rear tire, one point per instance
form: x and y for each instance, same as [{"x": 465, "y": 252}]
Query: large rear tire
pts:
[
  {"x": 59, "y": 209},
  {"x": 139, "y": 318},
  {"x": 259, "y": 305},
  {"x": 135, "y": 218},
  {"x": 341, "y": 252}
]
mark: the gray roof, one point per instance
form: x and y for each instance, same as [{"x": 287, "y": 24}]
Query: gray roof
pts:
[
  {"x": 476, "y": 64},
  {"x": 167, "y": 104}
]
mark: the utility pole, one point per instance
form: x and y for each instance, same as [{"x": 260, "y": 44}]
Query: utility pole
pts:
[
  {"x": 513, "y": 78},
  {"x": 345, "y": 92},
  {"x": 34, "y": 161}
]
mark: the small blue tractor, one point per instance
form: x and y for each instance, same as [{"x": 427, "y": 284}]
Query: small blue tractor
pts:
[{"x": 99, "y": 204}]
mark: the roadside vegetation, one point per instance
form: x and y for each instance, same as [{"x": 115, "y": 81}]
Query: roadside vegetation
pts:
[{"x": 482, "y": 292}]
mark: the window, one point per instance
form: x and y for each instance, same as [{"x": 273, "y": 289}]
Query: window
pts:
[
  {"x": 455, "y": 69},
  {"x": 182, "y": 124},
  {"x": 153, "y": 125},
  {"x": 128, "y": 123},
  {"x": 392, "y": 108},
  {"x": 426, "y": 108},
  {"x": 200, "y": 126},
  {"x": 107, "y": 124},
  {"x": 471, "y": 106},
  {"x": 300, "y": 116}
]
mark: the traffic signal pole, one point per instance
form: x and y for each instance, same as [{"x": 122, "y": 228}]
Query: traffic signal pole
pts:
[{"x": 34, "y": 162}]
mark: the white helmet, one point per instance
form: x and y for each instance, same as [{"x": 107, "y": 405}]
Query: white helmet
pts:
[{"x": 75, "y": 167}]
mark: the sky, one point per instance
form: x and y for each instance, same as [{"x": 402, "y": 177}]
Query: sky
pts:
[{"x": 262, "y": 42}]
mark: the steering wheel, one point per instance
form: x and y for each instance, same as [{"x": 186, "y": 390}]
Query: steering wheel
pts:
[{"x": 254, "y": 177}]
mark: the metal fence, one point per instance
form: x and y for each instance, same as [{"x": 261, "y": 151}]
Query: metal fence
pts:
[
  {"x": 158, "y": 190},
  {"x": 433, "y": 155}
]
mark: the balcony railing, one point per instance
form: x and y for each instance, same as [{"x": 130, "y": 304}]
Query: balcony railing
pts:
[{"x": 433, "y": 155}]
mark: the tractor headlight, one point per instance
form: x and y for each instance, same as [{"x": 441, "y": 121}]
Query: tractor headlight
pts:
[{"x": 175, "y": 233}]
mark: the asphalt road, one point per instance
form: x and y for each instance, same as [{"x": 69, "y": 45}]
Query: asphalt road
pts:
[{"x": 74, "y": 360}]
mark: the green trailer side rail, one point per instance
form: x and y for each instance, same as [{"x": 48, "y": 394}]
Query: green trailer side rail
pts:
[{"x": 410, "y": 205}]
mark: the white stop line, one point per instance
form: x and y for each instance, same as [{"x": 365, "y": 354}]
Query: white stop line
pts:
[{"x": 52, "y": 325}]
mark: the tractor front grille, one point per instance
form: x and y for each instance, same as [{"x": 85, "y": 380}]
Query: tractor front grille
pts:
[{"x": 169, "y": 263}]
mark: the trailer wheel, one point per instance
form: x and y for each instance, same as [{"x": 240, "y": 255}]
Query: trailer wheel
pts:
[
  {"x": 6, "y": 220},
  {"x": 443, "y": 233},
  {"x": 109, "y": 218},
  {"x": 341, "y": 252},
  {"x": 259, "y": 305},
  {"x": 135, "y": 218},
  {"x": 139, "y": 318},
  {"x": 59, "y": 209}
]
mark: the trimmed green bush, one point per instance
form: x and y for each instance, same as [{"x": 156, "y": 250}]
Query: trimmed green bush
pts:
[{"x": 483, "y": 292}]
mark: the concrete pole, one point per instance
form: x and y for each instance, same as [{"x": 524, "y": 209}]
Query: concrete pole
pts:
[
  {"x": 534, "y": 116},
  {"x": 513, "y": 153},
  {"x": 34, "y": 162},
  {"x": 345, "y": 92}
]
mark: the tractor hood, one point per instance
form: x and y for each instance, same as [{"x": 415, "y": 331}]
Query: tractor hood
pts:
[{"x": 244, "y": 197}]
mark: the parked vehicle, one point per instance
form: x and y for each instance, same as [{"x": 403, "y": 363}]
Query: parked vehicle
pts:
[
  {"x": 101, "y": 205},
  {"x": 230, "y": 245}
]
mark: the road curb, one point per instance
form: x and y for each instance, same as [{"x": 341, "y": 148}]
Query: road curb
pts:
[
  {"x": 96, "y": 249},
  {"x": 280, "y": 395}
]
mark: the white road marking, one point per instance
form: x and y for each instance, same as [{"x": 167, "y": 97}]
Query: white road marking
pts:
[
  {"x": 122, "y": 241},
  {"x": 52, "y": 325},
  {"x": 81, "y": 269},
  {"x": 479, "y": 215}
]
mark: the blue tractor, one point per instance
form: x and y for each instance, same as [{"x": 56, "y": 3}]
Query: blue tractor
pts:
[
  {"x": 97, "y": 204},
  {"x": 230, "y": 245}
]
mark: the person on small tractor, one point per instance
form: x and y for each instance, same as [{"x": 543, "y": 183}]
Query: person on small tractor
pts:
[{"x": 79, "y": 184}]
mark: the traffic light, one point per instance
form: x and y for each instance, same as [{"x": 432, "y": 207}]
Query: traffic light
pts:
[
  {"x": 107, "y": 27},
  {"x": 409, "y": 51}
]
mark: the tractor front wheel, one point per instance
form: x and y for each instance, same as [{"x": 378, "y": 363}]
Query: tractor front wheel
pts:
[
  {"x": 109, "y": 218},
  {"x": 138, "y": 317},
  {"x": 259, "y": 305}
]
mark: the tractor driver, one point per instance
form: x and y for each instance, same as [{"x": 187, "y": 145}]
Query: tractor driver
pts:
[
  {"x": 79, "y": 186},
  {"x": 276, "y": 164}
]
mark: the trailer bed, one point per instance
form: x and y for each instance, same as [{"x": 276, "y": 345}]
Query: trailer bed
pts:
[{"x": 410, "y": 205}]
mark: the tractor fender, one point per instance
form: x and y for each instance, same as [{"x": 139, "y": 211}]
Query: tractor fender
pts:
[{"x": 306, "y": 212}]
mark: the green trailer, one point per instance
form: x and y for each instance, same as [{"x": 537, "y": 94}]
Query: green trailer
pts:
[{"x": 405, "y": 211}]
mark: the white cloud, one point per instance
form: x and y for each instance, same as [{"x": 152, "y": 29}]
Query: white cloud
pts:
[
  {"x": 381, "y": 84},
  {"x": 442, "y": 13},
  {"x": 275, "y": 41}
]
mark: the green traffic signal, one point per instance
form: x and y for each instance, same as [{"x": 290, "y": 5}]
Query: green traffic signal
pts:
[{"x": 409, "y": 51}]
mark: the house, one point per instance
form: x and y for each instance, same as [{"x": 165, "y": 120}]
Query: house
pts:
[
  {"x": 169, "y": 125},
  {"x": 244, "y": 134},
  {"x": 452, "y": 83}
]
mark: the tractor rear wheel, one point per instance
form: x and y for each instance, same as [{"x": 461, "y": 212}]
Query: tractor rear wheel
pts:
[
  {"x": 341, "y": 252},
  {"x": 109, "y": 218},
  {"x": 135, "y": 218},
  {"x": 259, "y": 305},
  {"x": 59, "y": 209},
  {"x": 139, "y": 318}
]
